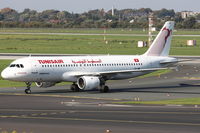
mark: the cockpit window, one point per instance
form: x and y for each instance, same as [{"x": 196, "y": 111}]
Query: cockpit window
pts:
[
  {"x": 17, "y": 65},
  {"x": 22, "y": 66},
  {"x": 12, "y": 65}
]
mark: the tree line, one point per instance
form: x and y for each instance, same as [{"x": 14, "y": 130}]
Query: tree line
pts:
[{"x": 99, "y": 18}]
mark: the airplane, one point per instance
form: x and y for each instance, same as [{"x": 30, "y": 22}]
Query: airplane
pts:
[{"x": 92, "y": 72}]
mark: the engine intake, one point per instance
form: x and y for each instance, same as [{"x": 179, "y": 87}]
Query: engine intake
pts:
[
  {"x": 44, "y": 84},
  {"x": 88, "y": 82}
]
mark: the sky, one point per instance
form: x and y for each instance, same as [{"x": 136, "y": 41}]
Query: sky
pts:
[{"x": 80, "y": 6}]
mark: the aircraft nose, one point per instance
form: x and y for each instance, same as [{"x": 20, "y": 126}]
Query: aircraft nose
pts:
[{"x": 4, "y": 74}]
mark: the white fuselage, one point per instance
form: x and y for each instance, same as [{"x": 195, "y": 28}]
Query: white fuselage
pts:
[{"x": 59, "y": 68}]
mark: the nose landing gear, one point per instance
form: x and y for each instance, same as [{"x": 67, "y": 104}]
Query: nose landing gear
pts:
[{"x": 28, "y": 90}]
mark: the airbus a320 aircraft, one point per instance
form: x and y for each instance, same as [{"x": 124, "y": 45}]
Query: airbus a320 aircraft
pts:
[{"x": 92, "y": 72}]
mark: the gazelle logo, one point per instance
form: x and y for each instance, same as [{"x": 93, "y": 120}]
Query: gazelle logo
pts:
[{"x": 167, "y": 35}]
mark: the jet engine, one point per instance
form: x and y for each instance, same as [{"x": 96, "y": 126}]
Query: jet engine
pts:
[
  {"x": 88, "y": 82},
  {"x": 44, "y": 84}
]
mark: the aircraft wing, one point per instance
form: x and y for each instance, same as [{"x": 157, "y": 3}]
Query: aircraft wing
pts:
[{"x": 116, "y": 72}]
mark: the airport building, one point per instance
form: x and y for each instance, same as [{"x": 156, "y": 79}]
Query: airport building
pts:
[{"x": 186, "y": 14}]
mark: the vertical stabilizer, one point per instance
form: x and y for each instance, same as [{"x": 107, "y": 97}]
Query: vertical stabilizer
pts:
[{"x": 161, "y": 45}]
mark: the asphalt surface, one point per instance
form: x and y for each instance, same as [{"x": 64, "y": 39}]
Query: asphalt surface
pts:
[
  {"x": 47, "y": 114},
  {"x": 57, "y": 109}
]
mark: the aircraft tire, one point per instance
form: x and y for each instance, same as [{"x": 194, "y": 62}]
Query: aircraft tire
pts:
[
  {"x": 104, "y": 89},
  {"x": 28, "y": 91},
  {"x": 75, "y": 88}
]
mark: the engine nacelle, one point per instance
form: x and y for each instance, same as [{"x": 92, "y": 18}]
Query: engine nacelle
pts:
[
  {"x": 88, "y": 82},
  {"x": 44, "y": 84}
]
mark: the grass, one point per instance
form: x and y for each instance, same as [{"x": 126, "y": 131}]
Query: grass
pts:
[
  {"x": 186, "y": 101},
  {"x": 95, "y": 30},
  {"x": 75, "y": 30},
  {"x": 68, "y": 44}
]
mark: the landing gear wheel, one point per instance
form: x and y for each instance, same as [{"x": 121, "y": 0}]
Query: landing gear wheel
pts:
[
  {"x": 75, "y": 88},
  {"x": 28, "y": 91},
  {"x": 104, "y": 89}
]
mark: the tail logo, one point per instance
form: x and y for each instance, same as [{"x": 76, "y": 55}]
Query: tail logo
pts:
[
  {"x": 167, "y": 36},
  {"x": 161, "y": 45}
]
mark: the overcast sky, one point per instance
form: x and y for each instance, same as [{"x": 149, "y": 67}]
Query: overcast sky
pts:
[{"x": 79, "y": 6}]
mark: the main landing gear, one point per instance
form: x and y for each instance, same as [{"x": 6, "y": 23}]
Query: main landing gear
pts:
[
  {"x": 74, "y": 87},
  {"x": 28, "y": 90},
  {"x": 104, "y": 89}
]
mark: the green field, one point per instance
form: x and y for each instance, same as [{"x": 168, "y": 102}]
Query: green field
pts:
[
  {"x": 95, "y": 30},
  {"x": 74, "y": 30},
  {"x": 80, "y": 44}
]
